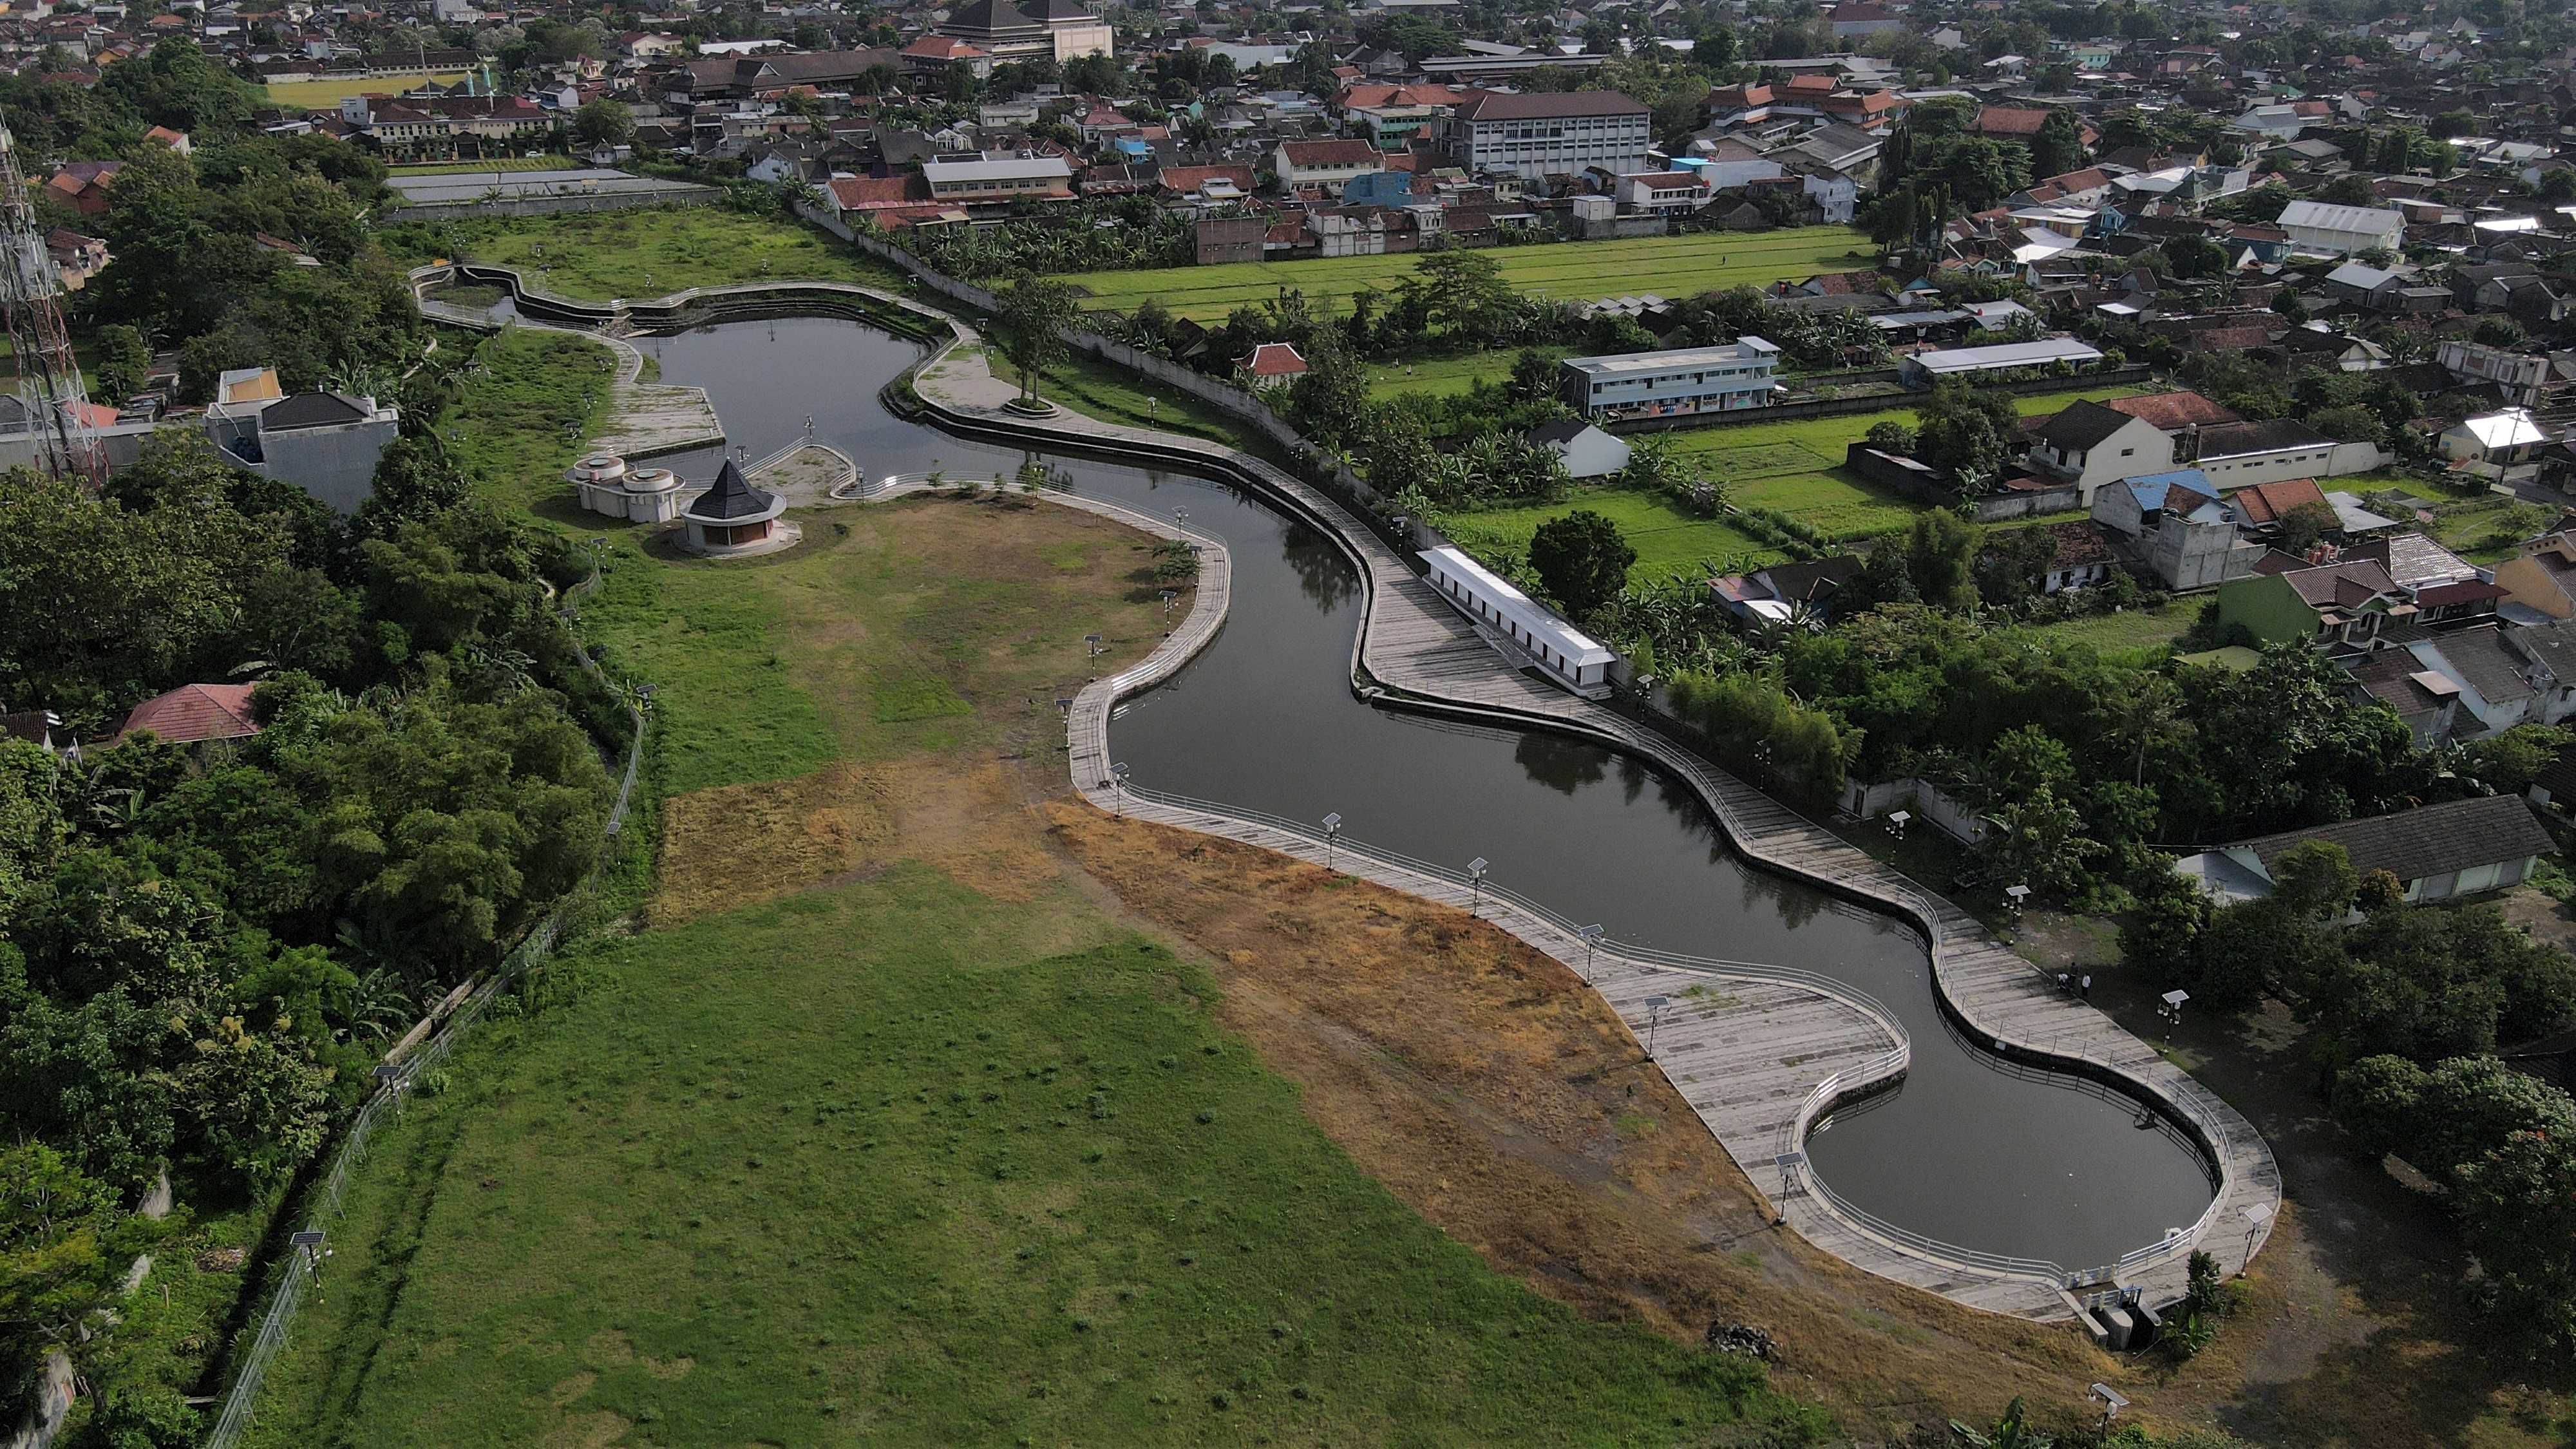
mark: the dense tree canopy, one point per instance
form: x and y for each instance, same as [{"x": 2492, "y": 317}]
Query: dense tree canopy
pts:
[{"x": 203, "y": 948}]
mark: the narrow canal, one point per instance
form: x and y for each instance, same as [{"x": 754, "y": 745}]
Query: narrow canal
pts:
[{"x": 1966, "y": 1151}]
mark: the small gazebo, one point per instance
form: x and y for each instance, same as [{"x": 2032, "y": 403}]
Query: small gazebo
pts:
[{"x": 733, "y": 518}]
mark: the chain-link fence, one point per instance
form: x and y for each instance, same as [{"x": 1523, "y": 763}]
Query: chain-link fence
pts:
[{"x": 294, "y": 1275}]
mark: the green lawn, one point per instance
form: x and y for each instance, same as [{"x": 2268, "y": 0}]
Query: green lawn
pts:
[
  {"x": 643, "y": 253},
  {"x": 1444, "y": 376},
  {"x": 2133, "y": 629},
  {"x": 1677, "y": 266},
  {"x": 1793, "y": 467},
  {"x": 1668, "y": 540},
  {"x": 895, "y": 1163},
  {"x": 499, "y": 163}
]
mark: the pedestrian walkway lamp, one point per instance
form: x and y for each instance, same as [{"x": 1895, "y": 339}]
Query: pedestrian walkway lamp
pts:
[
  {"x": 1118, "y": 785},
  {"x": 2171, "y": 1011},
  {"x": 1092, "y": 643},
  {"x": 1476, "y": 882},
  {"x": 2256, "y": 1215},
  {"x": 1654, "y": 1017},
  {"x": 308, "y": 1246},
  {"x": 1591, "y": 937},
  {"x": 2111, "y": 1401},
  {"x": 1788, "y": 1163},
  {"x": 1332, "y": 832}
]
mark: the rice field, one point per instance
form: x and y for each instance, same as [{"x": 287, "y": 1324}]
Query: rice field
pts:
[
  {"x": 1674, "y": 266},
  {"x": 325, "y": 94}
]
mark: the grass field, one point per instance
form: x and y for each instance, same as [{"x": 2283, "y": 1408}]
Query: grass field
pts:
[
  {"x": 325, "y": 94},
  {"x": 1444, "y": 376},
  {"x": 468, "y": 168},
  {"x": 2486, "y": 529},
  {"x": 602, "y": 254},
  {"x": 517, "y": 424},
  {"x": 2132, "y": 629},
  {"x": 1793, "y": 467},
  {"x": 1678, "y": 266}
]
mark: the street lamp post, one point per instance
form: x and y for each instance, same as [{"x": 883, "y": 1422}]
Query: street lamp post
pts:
[
  {"x": 1476, "y": 881},
  {"x": 1788, "y": 1163},
  {"x": 1118, "y": 787},
  {"x": 1591, "y": 937},
  {"x": 2171, "y": 1011},
  {"x": 1654, "y": 1017},
  {"x": 308, "y": 1244},
  {"x": 1332, "y": 832},
  {"x": 2256, "y": 1215}
]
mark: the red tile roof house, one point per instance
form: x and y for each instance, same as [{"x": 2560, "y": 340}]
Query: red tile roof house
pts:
[
  {"x": 1329, "y": 164},
  {"x": 83, "y": 185},
  {"x": 1273, "y": 363},
  {"x": 193, "y": 714}
]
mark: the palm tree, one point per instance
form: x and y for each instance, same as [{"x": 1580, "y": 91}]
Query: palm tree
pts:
[{"x": 2146, "y": 714}]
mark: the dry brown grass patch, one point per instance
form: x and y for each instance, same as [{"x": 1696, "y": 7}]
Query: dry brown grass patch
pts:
[
  {"x": 1487, "y": 1087},
  {"x": 735, "y": 844}
]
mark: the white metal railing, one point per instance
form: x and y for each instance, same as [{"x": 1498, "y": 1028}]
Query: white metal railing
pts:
[{"x": 1343, "y": 845}]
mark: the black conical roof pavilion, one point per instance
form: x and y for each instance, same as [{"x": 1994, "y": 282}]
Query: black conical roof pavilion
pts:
[{"x": 732, "y": 497}]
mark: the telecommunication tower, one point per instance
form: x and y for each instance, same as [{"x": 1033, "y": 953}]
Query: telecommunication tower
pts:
[{"x": 49, "y": 380}]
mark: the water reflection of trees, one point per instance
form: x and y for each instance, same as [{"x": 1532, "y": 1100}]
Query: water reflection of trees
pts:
[
  {"x": 1561, "y": 764},
  {"x": 1326, "y": 577}
]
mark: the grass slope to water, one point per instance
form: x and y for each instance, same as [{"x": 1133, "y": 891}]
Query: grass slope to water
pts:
[
  {"x": 519, "y": 423},
  {"x": 646, "y": 252},
  {"x": 1793, "y": 467},
  {"x": 1678, "y": 266},
  {"x": 893, "y": 1164}
]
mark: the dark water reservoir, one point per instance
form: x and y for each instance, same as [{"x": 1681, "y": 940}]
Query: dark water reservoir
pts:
[{"x": 1966, "y": 1151}]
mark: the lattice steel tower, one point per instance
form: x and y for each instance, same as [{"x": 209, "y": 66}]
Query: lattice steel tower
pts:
[{"x": 49, "y": 380}]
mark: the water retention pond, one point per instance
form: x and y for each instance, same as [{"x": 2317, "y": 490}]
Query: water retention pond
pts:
[{"x": 1967, "y": 1150}]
